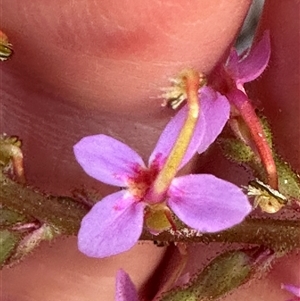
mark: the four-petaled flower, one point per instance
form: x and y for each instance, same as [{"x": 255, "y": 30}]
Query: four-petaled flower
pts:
[{"x": 203, "y": 202}]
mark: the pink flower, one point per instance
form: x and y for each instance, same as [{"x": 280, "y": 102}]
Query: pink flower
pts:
[
  {"x": 244, "y": 68},
  {"x": 203, "y": 202},
  {"x": 125, "y": 289},
  {"x": 229, "y": 80},
  {"x": 292, "y": 289}
]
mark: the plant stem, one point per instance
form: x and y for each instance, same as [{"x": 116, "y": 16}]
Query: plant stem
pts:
[
  {"x": 243, "y": 105},
  {"x": 279, "y": 235},
  {"x": 169, "y": 170},
  {"x": 64, "y": 214}
]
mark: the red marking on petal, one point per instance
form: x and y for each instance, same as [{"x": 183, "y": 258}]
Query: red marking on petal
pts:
[{"x": 139, "y": 185}]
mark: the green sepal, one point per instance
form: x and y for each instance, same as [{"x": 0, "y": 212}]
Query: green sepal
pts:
[
  {"x": 289, "y": 181},
  {"x": 238, "y": 152}
]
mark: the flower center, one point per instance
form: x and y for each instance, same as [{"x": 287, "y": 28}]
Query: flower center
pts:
[
  {"x": 139, "y": 185},
  {"x": 221, "y": 80}
]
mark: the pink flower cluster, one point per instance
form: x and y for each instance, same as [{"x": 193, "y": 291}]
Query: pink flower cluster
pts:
[{"x": 201, "y": 201}]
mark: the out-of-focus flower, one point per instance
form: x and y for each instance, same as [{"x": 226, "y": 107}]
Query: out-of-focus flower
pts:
[
  {"x": 203, "y": 202},
  {"x": 125, "y": 289},
  {"x": 292, "y": 289}
]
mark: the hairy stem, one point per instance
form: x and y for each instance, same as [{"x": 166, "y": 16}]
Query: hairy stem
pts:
[
  {"x": 65, "y": 214},
  {"x": 241, "y": 102},
  {"x": 279, "y": 235}
]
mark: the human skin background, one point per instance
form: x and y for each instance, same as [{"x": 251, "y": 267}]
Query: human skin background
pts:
[{"x": 89, "y": 68}]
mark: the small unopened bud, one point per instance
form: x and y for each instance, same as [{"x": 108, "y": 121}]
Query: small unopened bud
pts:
[
  {"x": 30, "y": 241},
  {"x": 5, "y": 47},
  {"x": 21, "y": 240},
  {"x": 11, "y": 156}
]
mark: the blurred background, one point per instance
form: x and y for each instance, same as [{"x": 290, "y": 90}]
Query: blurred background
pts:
[{"x": 248, "y": 30}]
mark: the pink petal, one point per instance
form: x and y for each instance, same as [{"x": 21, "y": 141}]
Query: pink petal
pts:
[
  {"x": 216, "y": 110},
  {"x": 292, "y": 289},
  {"x": 169, "y": 135},
  {"x": 125, "y": 289},
  {"x": 214, "y": 114},
  {"x": 107, "y": 159},
  {"x": 253, "y": 65},
  {"x": 112, "y": 226},
  {"x": 206, "y": 203}
]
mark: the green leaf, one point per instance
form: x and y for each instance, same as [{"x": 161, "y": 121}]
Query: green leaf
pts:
[{"x": 8, "y": 243}]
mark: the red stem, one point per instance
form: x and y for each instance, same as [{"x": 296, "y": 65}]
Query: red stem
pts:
[{"x": 244, "y": 106}]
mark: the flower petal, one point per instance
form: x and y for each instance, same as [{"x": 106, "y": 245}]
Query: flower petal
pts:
[
  {"x": 216, "y": 110},
  {"x": 168, "y": 137},
  {"x": 253, "y": 65},
  {"x": 206, "y": 203},
  {"x": 292, "y": 289},
  {"x": 125, "y": 289},
  {"x": 107, "y": 159},
  {"x": 112, "y": 226}
]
